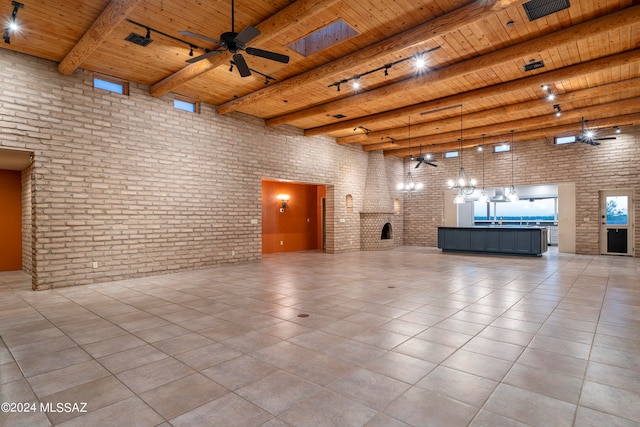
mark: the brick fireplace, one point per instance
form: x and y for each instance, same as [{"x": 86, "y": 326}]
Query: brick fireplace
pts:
[{"x": 377, "y": 219}]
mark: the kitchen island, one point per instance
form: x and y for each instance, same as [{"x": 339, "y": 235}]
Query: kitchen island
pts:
[{"x": 531, "y": 241}]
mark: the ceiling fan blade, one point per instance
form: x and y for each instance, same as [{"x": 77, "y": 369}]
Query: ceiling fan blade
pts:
[
  {"x": 204, "y": 56},
  {"x": 419, "y": 163},
  {"x": 432, "y": 164},
  {"x": 605, "y": 138},
  {"x": 268, "y": 55},
  {"x": 246, "y": 35},
  {"x": 200, "y": 36},
  {"x": 243, "y": 68}
]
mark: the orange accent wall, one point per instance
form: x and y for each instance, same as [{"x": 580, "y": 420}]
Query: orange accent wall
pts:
[
  {"x": 299, "y": 227},
  {"x": 10, "y": 221}
]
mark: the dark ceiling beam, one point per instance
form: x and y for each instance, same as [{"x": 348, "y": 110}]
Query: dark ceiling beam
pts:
[
  {"x": 519, "y": 52},
  {"x": 428, "y": 127},
  {"x": 420, "y": 34},
  {"x": 534, "y": 127},
  {"x": 269, "y": 29},
  {"x": 112, "y": 16}
]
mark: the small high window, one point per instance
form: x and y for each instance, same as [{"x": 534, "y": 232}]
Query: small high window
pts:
[
  {"x": 559, "y": 140},
  {"x": 450, "y": 154},
  {"x": 185, "y": 104},
  {"x": 111, "y": 84},
  {"x": 502, "y": 148}
]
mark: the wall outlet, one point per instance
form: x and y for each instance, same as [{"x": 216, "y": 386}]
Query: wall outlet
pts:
[
  {"x": 233, "y": 253},
  {"x": 94, "y": 264},
  {"x": 281, "y": 242}
]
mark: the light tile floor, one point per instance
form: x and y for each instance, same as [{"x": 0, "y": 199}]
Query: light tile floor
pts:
[{"x": 409, "y": 336}]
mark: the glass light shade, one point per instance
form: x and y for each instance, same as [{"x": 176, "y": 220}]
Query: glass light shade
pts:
[
  {"x": 459, "y": 200},
  {"x": 461, "y": 182},
  {"x": 484, "y": 197},
  {"x": 473, "y": 182},
  {"x": 419, "y": 186},
  {"x": 513, "y": 195},
  {"x": 450, "y": 183},
  {"x": 400, "y": 186}
]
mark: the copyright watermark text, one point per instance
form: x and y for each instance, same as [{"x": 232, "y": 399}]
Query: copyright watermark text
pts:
[{"x": 61, "y": 407}]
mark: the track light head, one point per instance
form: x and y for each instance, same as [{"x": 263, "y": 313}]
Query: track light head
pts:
[{"x": 12, "y": 24}]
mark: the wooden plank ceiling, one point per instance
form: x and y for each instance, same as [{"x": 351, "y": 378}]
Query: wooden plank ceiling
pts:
[{"x": 473, "y": 80}]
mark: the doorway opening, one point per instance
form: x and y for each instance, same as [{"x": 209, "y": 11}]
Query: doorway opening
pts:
[
  {"x": 292, "y": 216},
  {"x": 616, "y": 222},
  {"x": 16, "y": 172}
]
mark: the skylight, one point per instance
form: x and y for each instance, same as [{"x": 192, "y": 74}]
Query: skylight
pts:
[{"x": 324, "y": 38}]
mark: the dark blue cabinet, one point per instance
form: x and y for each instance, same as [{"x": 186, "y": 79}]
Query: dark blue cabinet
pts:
[{"x": 507, "y": 240}]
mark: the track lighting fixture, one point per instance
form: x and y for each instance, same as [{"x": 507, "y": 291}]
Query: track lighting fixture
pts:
[
  {"x": 366, "y": 131},
  {"x": 558, "y": 110},
  {"x": 12, "y": 24},
  {"x": 419, "y": 59},
  {"x": 617, "y": 129},
  {"x": 550, "y": 95},
  {"x": 143, "y": 41}
]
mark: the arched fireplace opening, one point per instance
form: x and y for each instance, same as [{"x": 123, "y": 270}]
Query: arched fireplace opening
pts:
[{"x": 386, "y": 232}]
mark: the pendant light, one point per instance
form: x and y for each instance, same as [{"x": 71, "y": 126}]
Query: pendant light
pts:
[
  {"x": 461, "y": 186},
  {"x": 408, "y": 187},
  {"x": 512, "y": 195},
  {"x": 484, "y": 198}
]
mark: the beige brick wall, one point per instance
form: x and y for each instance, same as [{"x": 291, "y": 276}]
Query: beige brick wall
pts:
[
  {"x": 613, "y": 164},
  {"x": 27, "y": 218},
  {"x": 141, "y": 188}
]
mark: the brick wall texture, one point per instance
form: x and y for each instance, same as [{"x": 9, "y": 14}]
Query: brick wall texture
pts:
[
  {"x": 141, "y": 188},
  {"x": 615, "y": 164}
]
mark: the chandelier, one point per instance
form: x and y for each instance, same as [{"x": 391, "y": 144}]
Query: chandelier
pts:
[
  {"x": 408, "y": 187},
  {"x": 462, "y": 186}
]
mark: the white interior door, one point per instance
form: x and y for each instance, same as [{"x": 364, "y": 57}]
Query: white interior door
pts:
[{"x": 616, "y": 222}]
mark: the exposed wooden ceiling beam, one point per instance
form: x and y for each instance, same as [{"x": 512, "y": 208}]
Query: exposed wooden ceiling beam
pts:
[
  {"x": 538, "y": 124},
  {"x": 269, "y": 29},
  {"x": 573, "y": 71},
  {"x": 632, "y": 119},
  {"x": 427, "y": 127},
  {"x": 516, "y": 52},
  {"x": 473, "y": 11},
  {"x": 112, "y": 16}
]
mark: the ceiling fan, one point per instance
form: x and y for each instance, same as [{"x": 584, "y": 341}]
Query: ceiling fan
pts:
[
  {"x": 234, "y": 43},
  {"x": 426, "y": 159},
  {"x": 588, "y": 136}
]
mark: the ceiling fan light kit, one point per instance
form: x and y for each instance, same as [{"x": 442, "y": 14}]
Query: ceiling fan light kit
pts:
[{"x": 235, "y": 43}]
